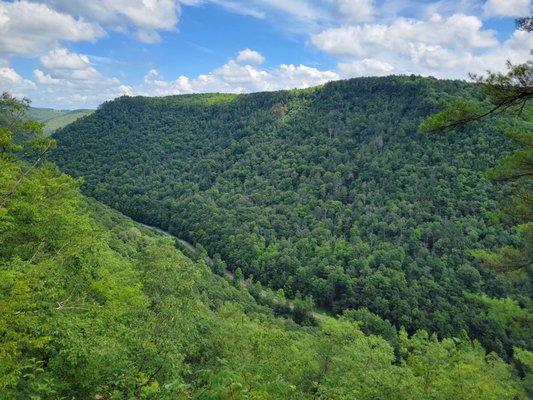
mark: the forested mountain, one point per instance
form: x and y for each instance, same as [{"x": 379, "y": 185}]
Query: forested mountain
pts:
[
  {"x": 54, "y": 119},
  {"x": 94, "y": 306},
  {"x": 330, "y": 192}
]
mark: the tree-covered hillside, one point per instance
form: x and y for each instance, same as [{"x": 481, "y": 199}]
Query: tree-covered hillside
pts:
[
  {"x": 94, "y": 306},
  {"x": 330, "y": 192},
  {"x": 56, "y": 119}
]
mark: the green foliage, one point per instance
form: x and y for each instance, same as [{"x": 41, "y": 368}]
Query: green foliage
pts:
[
  {"x": 464, "y": 363},
  {"x": 524, "y": 363},
  {"x": 455, "y": 110},
  {"x": 238, "y": 276},
  {"x": 55, "y": 119},
  {"x": 508, "y": 313},
  {"x": 331, "y": 193},
  {"x": 17, "y": 134},
  {"x": 93, "y": 305},
  {"x": 371, "y": 324},
  {"x": 516, "y": 167},
  {"x": 506, "y": 94}
]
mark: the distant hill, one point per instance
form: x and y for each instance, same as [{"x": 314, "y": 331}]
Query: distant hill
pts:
[{"x": 54, "y": 119}]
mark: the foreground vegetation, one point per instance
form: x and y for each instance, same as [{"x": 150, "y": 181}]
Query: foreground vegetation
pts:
[
  {"x": 329, "y": 192},
  {"x": 505, "y": 94},
  {"x": 95, "y": 306}
]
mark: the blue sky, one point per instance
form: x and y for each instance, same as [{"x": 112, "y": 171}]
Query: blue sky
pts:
[{"x": 74, "y": 54}]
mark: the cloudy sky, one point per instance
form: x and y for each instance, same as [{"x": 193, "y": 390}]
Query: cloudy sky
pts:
[{"x": 79, "y": 53}]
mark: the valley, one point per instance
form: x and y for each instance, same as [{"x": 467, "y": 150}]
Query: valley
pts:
[
  {"x": 306, "y": 244},
  {"x": 56, "y": 119},
  {"x": 330, "y": 193},
  {"x": 266, "y": 200}
]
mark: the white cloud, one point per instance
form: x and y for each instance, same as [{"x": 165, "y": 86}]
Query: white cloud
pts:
[
  {"x": 144, "y": 17},
  {"x": 71, "y": 66},
  {"x": 234, "y": 74},
  {"x": 444, "y": 38},
  {"x": 459, "y": 30},
  {"x": 47, "y": 79},
  {"x": 248, "y": 56},
  {"x": 63, "y": 59},
  {"x": 64, "y": 93},
  {"x": 445, "y": 47},
  {"x": 365, "y": 67},
  {"x": 9, "y": 76},
  {"x": 515, "y": 49},
  {"x": 70, "y": 80},
  {"x": 441, "y": 62},
  {"x": 507, "y": 8},
  {"x": 31, "y": 28},
  {"x": 234, "y": 77},
  {"x": 10, "y": 80},
  {"x": 289, "y": 76},
  {"x": 355, "y": 10}
]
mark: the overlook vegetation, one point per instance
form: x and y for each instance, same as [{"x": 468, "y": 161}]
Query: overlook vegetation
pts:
[
  {"x": 330, "y": 192},
  {"x": 95, "y": 306}
]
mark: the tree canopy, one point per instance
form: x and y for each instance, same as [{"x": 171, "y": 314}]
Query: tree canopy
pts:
[
  {"x": 96, "y": 306},
  {"x": 330, "y": 192},
  {"x": 508, "y": 95}
]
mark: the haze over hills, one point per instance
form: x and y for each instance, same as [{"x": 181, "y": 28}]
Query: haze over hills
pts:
[
  {"x": 329, "y": 192},
  {"x": 55, "y": 119}
]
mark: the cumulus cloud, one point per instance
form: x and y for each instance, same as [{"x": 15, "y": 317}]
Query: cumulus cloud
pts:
[
  {"x": 406, "y": 35},
  {"x": 47, "y": 79},
  {"x": 70, "y": 66},
  {"x": 29, "y": 28},
  {"x": 68, "y": 79},
  {"x": 71, "y": 80},
  {"x": 10, "y": 76},
  {"x": 445, "y": 47},
  {"x": 441, "y": 38},
  {"x": 63, "y": 59},
  {"x": 233, "y": 77},
  {"x": 516, "y": 49},
  {"x": 143, "y": 17},
  {"x": 72, "y": 93},
  {"x": 248, "y": 56},
  {"x": 507, "y": 8},
  {"x": 10, "y": 80},
  {"x": 442, "y": 62}
]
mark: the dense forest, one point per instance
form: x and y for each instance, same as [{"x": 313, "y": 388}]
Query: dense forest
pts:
[
  {"x": 96, "y": 306},
  {"x": 330, "y": 192}
]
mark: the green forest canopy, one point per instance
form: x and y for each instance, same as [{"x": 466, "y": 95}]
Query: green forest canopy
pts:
[
  {"x": 329, "y": 192},
  {"x": 95, "y": 306}
]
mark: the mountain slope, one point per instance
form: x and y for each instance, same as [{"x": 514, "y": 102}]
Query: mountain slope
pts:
[
  {"x": 56, "y": 119},
  {"x": 94, "y": 306},
  {"x": 330, "y": 192}
]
